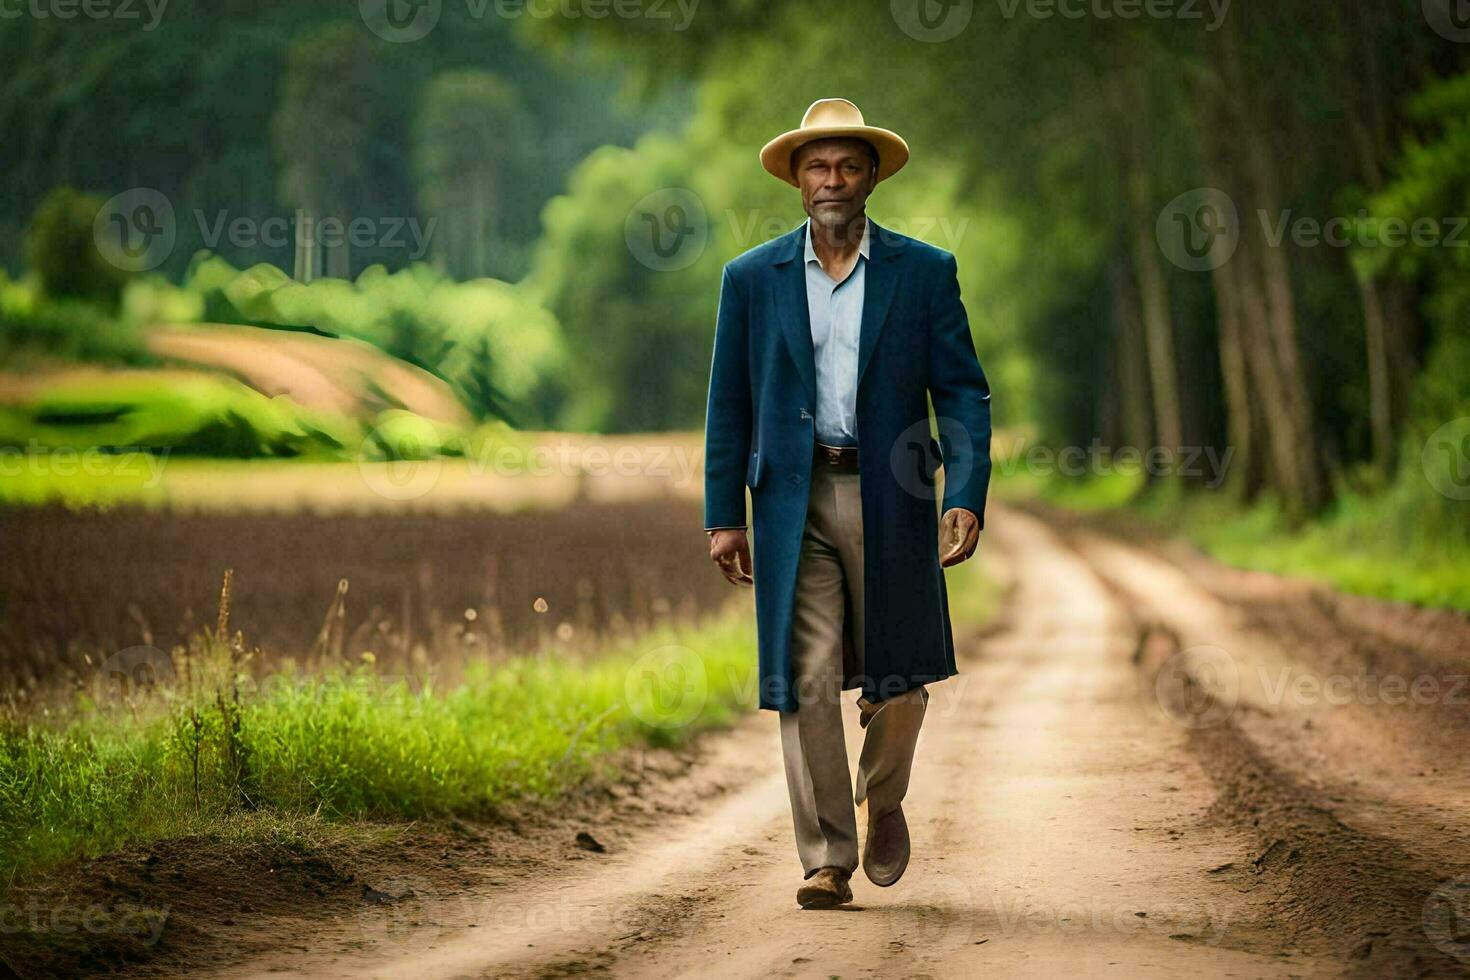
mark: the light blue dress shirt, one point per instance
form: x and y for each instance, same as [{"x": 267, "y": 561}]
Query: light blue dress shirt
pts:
[{"x": 837, "y": 315}]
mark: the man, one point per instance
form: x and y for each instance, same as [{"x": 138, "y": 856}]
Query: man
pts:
[{"x": 827, "y": 341}]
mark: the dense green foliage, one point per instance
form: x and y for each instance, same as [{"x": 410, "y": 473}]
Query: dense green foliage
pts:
[
  {"x": 1432, "y": 178},
  {"x": 199, "y": 415},
  {"x": 491, "y": 340},
  {"x": 70, "y": 329},
  {"x": 244, "y": 110}
]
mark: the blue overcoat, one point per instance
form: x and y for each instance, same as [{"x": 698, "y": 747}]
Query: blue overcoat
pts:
[{"x": 760, "y": 432}]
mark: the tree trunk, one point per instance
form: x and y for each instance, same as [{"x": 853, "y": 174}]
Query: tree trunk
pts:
[
  {"x": 1389, "y": 320},
  {"x": 1132, "y": 378},
  {"x": 1153, "y": 289},
  {"x": 308, "y": 247},
  {"x": 1380, "y": 389},
  {"x": 1243, "y": 433},
  {"x": 1269, "y": 307},
  {"x": 1159, "y": 333},
  {"x": 1285, "y": 347},
  {"x": 1234, "y": 371}
]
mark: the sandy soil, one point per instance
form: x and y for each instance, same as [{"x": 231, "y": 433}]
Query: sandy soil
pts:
[{"x": 1094, "y": 795}]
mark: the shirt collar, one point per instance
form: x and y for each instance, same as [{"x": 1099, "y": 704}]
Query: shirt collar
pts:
[{"x": 811, "y": 253}]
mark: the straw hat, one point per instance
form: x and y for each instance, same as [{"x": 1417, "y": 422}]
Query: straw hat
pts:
[{"x": 828, "y": 119}]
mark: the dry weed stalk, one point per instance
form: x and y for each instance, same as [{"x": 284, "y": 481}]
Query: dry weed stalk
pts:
[
  {"x": 222, "y": 625},
  {"x": 333, "y": 634}
]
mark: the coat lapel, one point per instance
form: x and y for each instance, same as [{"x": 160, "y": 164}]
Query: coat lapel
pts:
[
  {"x": 793, "y": 312},
  {"x": 879, "y": 283}
]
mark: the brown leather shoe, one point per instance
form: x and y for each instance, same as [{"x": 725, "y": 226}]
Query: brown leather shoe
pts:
[
  {"x": 886, "y": 851},
  {"x": 826, "y": 889}
]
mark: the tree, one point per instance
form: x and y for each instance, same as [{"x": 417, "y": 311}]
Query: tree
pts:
[
  {"x": 62, "y": 251},
  {"x": 468, "y": 122},
  {"x": 330, "y": 111}
]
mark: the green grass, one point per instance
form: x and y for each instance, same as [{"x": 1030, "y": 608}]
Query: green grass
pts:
[
  {"x": 82, "y": 478},
  {"x": 1361, "y": 545},
  {"x": 1406, "y": 543},
  {"x": 108, "y": 770}
]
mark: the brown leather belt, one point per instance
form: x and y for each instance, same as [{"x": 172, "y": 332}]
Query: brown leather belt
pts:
[{"x": 835, "y": 459}]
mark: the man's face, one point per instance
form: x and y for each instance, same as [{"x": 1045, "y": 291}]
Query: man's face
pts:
[{"x": 836, "y": 177}]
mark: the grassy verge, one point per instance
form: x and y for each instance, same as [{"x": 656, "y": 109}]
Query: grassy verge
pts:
[
  {"x": 87, "y": 478},
  {"x": 220, "y": 756},
  {"x": 1398, "y": 544}
]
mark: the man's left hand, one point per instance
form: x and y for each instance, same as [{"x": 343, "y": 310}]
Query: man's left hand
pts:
[{"x": 959, "y": 532}]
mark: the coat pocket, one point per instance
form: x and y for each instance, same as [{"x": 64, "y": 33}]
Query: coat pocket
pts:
[{"x": 753, "y": 471}]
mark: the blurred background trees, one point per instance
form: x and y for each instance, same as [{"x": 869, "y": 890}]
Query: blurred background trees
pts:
[
  {"x": 466, "y": 126},
  {"x": 1172, "y": 232},
  {"x": 1299, "y": 350}
]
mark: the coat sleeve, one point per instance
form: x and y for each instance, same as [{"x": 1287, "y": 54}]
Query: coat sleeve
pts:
[
  {"x": 727, "y": 419},
  {"x": 961, "y": 397}
]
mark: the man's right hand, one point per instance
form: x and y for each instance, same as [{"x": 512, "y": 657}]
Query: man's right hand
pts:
[{"x": 731, "y": 551}]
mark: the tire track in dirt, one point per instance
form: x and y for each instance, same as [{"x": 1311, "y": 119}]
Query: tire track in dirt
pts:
[{"x": 1362, "y": 820}]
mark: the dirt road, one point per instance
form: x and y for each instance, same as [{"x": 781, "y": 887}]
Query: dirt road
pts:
[{"x": 1090, "y": 798}]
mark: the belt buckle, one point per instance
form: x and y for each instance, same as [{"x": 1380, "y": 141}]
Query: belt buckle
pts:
[{"x": 834, "y": 456}]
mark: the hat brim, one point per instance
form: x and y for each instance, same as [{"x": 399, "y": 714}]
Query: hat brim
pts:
[{"x": 893, "y": 152}]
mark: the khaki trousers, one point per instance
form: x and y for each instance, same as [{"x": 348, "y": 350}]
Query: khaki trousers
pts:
[{"x": 829, "y": 585}]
